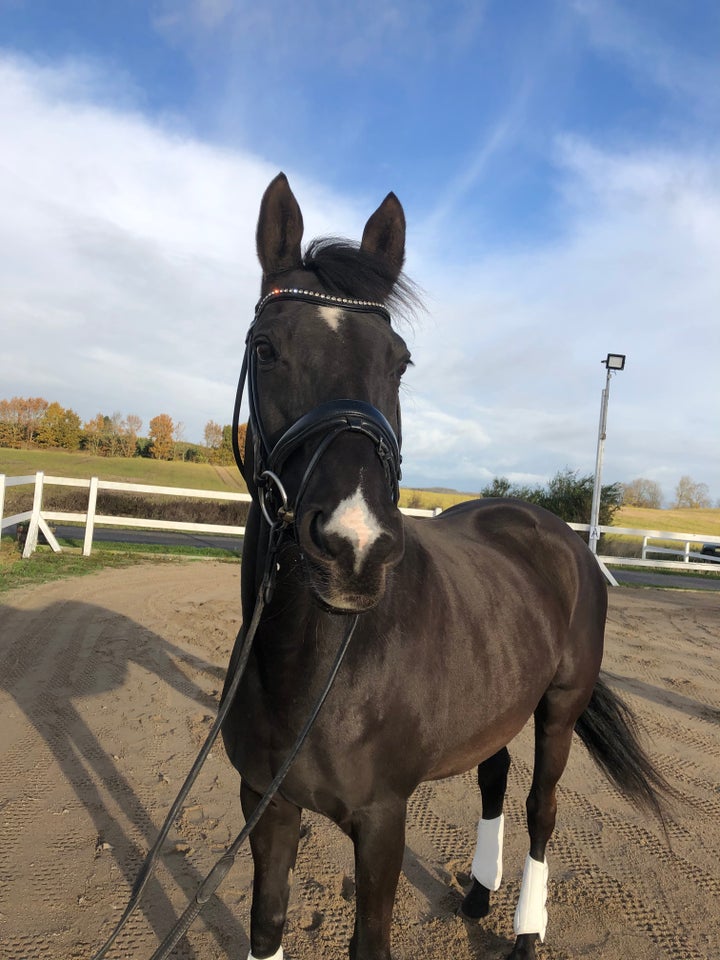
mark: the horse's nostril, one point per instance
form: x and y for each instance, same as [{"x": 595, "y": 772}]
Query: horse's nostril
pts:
[{"x": 316, "y": 532}]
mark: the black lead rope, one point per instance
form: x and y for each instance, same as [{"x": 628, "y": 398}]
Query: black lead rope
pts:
[{"x": 225, "y": 863}]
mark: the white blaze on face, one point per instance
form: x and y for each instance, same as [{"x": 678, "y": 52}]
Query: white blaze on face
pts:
[
  {"x": 332, "y": 316},
  {"x": 354, "y": 520}
]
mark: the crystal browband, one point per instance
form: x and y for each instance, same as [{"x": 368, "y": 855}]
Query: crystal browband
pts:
[{"x": 312, "y": 296}]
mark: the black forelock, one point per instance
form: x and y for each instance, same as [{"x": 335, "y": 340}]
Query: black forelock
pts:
[{"x": 345, "y": 270}]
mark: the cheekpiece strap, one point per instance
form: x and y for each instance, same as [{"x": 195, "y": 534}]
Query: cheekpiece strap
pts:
[{"x": 324, "y": 299}]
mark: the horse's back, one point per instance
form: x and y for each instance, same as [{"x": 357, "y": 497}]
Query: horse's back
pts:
[{"x": 492, "y": 535}]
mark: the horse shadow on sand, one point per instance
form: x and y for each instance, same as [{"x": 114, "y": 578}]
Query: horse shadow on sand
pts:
[
  {"x": 46, "y": 670},
  {"x": 45, "y": 682}
]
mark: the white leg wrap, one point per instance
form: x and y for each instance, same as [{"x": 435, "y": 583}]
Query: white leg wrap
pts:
[
  {"x": 278, "y": 955},
  {"x": 487, "y": 862},
  {"x": 531, "y": 913}
]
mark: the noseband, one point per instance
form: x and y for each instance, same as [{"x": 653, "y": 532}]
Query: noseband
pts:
[{"x": 327, "y": 421}]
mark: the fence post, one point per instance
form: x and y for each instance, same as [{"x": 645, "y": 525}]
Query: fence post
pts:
[
  {"x": 32, "y": 534},
  {"x": 2, "y": 499},
  {"x": 686, "y": 558},
  {"x": 644, "y": 549},
  {"x": 90, "y": 519}
]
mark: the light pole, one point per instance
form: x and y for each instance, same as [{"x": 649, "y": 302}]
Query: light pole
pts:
[{"x": 613, "y": 362}]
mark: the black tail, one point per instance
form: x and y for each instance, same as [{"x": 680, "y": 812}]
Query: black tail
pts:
[{"x": 609, "y": 730}]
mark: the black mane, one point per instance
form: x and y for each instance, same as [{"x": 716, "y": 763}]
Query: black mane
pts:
[{"x": 345, "y": 270}]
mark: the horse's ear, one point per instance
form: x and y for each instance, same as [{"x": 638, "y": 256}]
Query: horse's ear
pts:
[
  {"x": 279, "y": 229},
  {"x": 384, "y": 234}
]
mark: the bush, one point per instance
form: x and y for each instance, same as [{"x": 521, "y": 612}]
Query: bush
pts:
[{"x": 567, "y": 495}]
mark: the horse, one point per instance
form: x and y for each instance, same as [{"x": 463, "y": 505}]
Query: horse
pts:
[{"x": 465, "y": 625}]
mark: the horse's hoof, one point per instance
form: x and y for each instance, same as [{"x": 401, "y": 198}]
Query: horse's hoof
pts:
[
  {"x": 476, "y": 904},
  {"x": 524, "y": 948}
]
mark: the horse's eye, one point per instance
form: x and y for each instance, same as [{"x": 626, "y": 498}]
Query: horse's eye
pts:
[
  {"x": 407, "y": 362},
  {"x": 264, "y": 351}
]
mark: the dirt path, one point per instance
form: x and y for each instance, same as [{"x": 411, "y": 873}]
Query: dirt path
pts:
[{"x": 109, "y": 685}]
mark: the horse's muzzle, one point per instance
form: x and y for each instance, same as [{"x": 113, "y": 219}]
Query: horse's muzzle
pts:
[{"x": 349, "y": 554}]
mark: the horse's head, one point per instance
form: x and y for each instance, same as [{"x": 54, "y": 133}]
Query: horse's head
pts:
[{"x": 324, "y": 369}]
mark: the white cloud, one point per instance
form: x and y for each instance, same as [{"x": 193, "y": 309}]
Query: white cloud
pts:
[
  {"x": 129, "y": 275},
  {"x": 127, "y": 256},
  {"x": 519, "y": 337}
]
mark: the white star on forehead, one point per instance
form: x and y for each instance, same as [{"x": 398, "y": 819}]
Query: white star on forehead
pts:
[{"x": 332, "y": 316}]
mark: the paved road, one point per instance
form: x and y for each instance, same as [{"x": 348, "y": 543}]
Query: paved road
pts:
[
  {"x": 651, "y": 578},
  {"x": 158, "y": 537}
]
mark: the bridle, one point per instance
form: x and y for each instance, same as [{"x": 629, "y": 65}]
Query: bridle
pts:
[{"x": 327, "y": 421}]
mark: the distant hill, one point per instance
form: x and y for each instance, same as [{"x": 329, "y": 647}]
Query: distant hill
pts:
[{"x": 438, "y": 489}]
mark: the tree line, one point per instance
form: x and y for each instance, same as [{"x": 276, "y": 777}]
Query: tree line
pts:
[
  {"x": 570, "y": 496},
  {"x": 35, "y": 422},
  {"x": 642, "y": 492}
]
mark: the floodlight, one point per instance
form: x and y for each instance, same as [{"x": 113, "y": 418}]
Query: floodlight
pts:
[{"x": 615, "y": 361}]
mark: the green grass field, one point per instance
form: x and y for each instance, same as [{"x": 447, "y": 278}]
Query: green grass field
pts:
[
  {"x": 687, "y": 520},
  {"x": 165, "y": 473},
  {"x": 705, "y": 523}
]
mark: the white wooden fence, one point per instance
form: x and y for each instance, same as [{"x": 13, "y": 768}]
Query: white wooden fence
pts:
[
  {"x": 699, "y": 561},
  {"x": 37, "y": 520}
]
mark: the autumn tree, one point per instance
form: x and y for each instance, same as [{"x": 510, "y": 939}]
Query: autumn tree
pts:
[
  {"x": 10, "y": 426},
  {"x": 58, "y": 428},
  {"x": 213, "y": 435},
  {"x": 688, "y": 493},
  {"x": 642, "y": 492},
  {"x": 162, "y": 437},
  {"x": 133, "y": 424},
  {"x": 19, "y": 418},
  {"x": 130, "y": 427},
  {"x": 225, "y": 453},
  {"x": 94, "y": 434},
  {"x": 112, "y": 444}
]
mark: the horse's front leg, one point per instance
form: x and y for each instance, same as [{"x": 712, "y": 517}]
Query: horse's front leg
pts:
[
  {"x": 486, "y": 867},
  {"x": 274, "y": 843},
  {"x": 379, "y": 838}
]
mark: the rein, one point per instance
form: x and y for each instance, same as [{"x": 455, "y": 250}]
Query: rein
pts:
[{"x": 332, "y": 418}]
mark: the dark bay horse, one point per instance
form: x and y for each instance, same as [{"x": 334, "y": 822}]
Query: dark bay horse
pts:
[{"x": 469, "y": 624}]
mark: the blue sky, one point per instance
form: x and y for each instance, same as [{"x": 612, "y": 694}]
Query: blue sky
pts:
[{"x": 558, "y": 165}]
